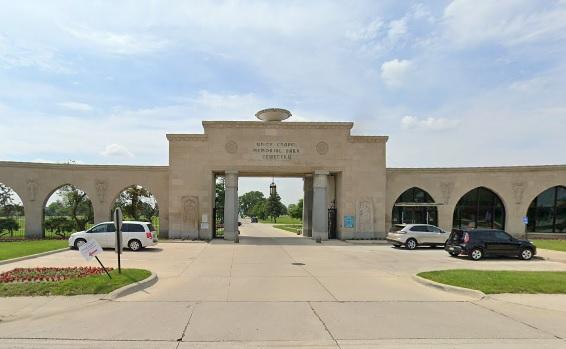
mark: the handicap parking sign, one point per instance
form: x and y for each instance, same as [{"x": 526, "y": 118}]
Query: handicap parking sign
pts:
[{"x": 525, "y": 220}]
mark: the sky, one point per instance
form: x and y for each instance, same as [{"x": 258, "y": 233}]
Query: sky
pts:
[{"x": 452, "y": 83}]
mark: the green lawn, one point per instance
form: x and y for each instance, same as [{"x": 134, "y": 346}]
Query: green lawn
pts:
[
  {"x": 289, "y": 227},
  {"x": 98, "y": 284},
  {"x": 16, "y": 249},
  {"x": 283, "y": 220},
  {"x": 491, "y": 281},
  {"x": 556, "y": 245}
]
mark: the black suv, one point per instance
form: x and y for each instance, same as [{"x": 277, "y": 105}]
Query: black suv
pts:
[{"x": 479, "y": 243}]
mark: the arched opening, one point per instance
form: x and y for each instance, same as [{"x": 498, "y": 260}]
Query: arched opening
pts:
[
  {"x": 479, "y": 208},
  {"x": 138, "y": 204},
  {"x": 67, "y": 210},
  {"x": 12, "y": 217},
  {"x": 547, "y": 212},
  {"x": 414, "y": 206}
]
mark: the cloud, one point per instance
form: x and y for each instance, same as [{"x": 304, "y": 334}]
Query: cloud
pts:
[
  {"x": 28, "y": 55},
  {"x": 397, "y": 29},
  {"x": 76, "y": 106},
  {"x": 394, "y": 72},
  {"x": 116, "y": 150},
  {"x": 118, "y": 43},
  {"x": 430, "y": 123}
]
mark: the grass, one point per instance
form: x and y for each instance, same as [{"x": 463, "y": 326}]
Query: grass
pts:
[
  {"x": 283, "y": 220},
  {"x": 289, "y": 227},
  {"x": 16, "y": 249},
  {"x": 99, "y": 284},
  {"x": 556, "y": 245},
  {"x": 491, "y": 281}
]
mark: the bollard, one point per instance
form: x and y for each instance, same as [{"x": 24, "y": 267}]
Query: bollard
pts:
[{"x": 237, "y": 239}]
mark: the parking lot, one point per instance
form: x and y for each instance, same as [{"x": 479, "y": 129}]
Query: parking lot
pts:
[{"x": 276, "y": 289}]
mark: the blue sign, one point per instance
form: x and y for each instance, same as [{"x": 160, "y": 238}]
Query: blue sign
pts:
[
  {"x": 525, "y": 220},
  {"x": 349, "y": 221}
]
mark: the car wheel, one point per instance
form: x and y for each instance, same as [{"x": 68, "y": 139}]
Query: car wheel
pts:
[
  {"x": 79, "y": 243},
  {"x": 411, "y": 244},
  {"x": 526, "y": 254},
  {"x": 476, "y": 254},
  {"x": 134, "y": 245}
]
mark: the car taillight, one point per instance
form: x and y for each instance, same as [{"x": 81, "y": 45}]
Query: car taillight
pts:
[
  {"x": 148, "y": 235},
  {"x": 466, "y": 238}
]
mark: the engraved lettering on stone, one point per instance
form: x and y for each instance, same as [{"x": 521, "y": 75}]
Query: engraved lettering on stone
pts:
[
  {"x": 231, "y": 147},
  {"x": 518, "y": 190},
  {"x": 364, "y": 216},
  {"x": 190, "y": 213},
  {"x": 276, "y": 151},
  {"x": 322, "y": 148},
  {"x": 446, "y": 189},
  {"x": 101, "y": 189},
  {"x": 32, "y": 189}
]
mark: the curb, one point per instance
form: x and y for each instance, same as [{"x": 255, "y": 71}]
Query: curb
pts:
[
  {"x": 367, "y": 242},
  {"x": 449, "y": 288},
  {"x": 131, "y": 288},
  {"x": 31, "y": 256}
]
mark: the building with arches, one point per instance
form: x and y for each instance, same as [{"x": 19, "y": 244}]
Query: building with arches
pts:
[{"x": 341, "y": 171}]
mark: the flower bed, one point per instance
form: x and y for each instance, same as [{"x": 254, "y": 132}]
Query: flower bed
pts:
[{"x": 48, "y": 274}]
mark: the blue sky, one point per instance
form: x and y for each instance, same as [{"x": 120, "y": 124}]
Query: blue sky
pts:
[{"x": 453, "y": 83}]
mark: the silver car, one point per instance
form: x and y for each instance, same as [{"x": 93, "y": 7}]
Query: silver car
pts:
[{"x": 413, "y": 235}]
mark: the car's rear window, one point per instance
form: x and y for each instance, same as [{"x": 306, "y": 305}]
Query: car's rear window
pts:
[
  {"x": 397, "y": 227},
  {"x": 150, "y": 227},
  {"x": 132, "y": 228},
  {"x": 457, "y": 236}
]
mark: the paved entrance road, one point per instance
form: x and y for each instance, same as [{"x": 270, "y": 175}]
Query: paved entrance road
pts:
[{"x": 276, "y": 289}]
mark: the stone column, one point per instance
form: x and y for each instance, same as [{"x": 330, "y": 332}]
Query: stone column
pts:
[
  {"x": 307, "y": 205},
  {"x": 319, "y": 205},
  {"x": 231, "y": 205},
  {"x": 33, "y": 210}
]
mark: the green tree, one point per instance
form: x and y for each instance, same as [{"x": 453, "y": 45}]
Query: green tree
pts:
[
  {"x": 8, "y": 224},
  {"x": 274, "y": 208},
  {"x": 59, "y": 225},
  {"x": 134, "y": 202},
  {"x": 249, "y": 200},
  {"x": 219, "y": 200},
  {"x": 259, "y": 210},
  {"x": 296, "y": 210},
  {"x": 78, "y": 205}
]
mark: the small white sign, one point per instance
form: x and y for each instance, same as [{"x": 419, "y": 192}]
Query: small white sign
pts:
[{"x": 90, "y": 249}]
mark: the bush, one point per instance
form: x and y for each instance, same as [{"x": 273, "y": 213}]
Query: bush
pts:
[
  {"x": 8, "y": 224},
  {"x": 60, "y": 225}
]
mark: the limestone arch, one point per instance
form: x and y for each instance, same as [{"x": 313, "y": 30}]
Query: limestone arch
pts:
[
  {"x": 483, "y": 207},
  {"x": 148, "y": 197},
  {"x": 410, "y": 207},
  {"x": 59, "y": 226},
  {"x": 12, "y": 213}
]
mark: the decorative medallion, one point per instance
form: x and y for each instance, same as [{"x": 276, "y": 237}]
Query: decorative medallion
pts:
[
  {"x": 322, "y": 148},
  {"x": 231, "y": 147}
]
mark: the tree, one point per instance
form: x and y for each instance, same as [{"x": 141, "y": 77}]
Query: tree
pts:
[
  {"x": 249, "y": 200},
  {"x": 59, "y": 225},
  {"x": 274, "y": 208},
  {"x": 134, "y": 202},
  {"x": 78, "y": 205},
  {"x": 259, "y": 210},
  {"x": 219, "y": 200},
  {"x": 296, "y": 210},
  {"x": 8, "y": 224}
]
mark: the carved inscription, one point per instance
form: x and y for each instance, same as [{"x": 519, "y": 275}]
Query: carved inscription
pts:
[{"x": 278, "y": 151}]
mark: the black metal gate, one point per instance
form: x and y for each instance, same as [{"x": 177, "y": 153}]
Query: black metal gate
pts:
[
  {"x": 218, "y": 223},
  {"x": 332, "y": 222}
]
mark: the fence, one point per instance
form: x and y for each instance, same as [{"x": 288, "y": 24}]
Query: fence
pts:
[{"x": 12, "y": 227}]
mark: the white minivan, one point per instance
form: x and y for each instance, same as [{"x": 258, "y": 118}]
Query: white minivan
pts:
[{"x": 135, "y": 235}]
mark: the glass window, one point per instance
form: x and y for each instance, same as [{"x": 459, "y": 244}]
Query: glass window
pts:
[
  {"x": 479, "y": 208},
  {"x": 433, "y": 229},
  {"x": 101, "y": 228},
  {"x": 420, "y": 228},
  {"x": 502, "y": 236},
  {"x": 132, "y": 228},
  {"x": 414, "y": 214},
  {"x": 150, "y": 227},
  {"x": 110, "y": 227},
  {"x": 547, "y": 212}
]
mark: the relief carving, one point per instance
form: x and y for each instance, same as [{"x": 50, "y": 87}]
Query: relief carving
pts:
[
  {"x": 100, "y": 189},
  {"x": 446, "y": 190},
  {"x": 322, "y": 148},
  {"x": 518, "y": 190},
  {"x": 231, "y": 147},
  {"x": 32, "y": 189},
  {"x": 364, "y": 216},
  {"x": 190, "y": 213}
]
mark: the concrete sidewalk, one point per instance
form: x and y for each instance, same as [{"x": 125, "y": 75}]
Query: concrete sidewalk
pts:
[{"x": 277, "y": 289}]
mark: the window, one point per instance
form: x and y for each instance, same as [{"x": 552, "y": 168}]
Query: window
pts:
[
  {"x": 110, "y": 227},
  {"x": 150, "y": 227},
  {"x": 547, "y": 212},
  {"x": 433, "y": 229},
  {"x": 502, "y": 236},
  {"x": 416, "y": 214},
  {"x": 420, "y": 228},
  {"x": 479, "y": 208},
  {"x": 132, "y": 228},
  {"x": 101, "y": 228}
]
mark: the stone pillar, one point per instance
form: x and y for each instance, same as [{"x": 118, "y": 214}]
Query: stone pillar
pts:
[
  {"x": 319, "y": 205},
  {"x": 231, "y": 205},
  {"x": 33, "y": 210},
  {"x": 307, "y": 205}
]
